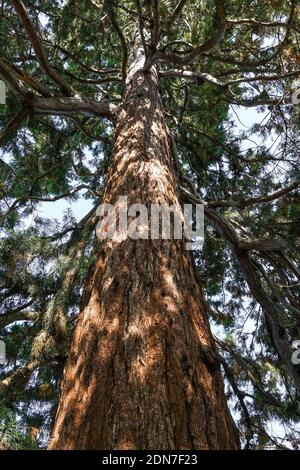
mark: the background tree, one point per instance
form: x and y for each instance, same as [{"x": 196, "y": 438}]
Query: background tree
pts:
[{"x": 65, "y": 65}]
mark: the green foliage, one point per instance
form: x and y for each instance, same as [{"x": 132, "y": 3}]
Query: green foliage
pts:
[
  {"x": 10, "y": 436},
  {"x": 46, "y": 156}
]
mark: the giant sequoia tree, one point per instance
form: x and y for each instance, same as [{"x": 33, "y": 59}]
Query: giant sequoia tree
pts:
[{"x": 109, "y": 343}]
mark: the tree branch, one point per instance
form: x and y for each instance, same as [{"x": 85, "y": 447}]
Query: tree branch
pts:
[
  {"x": 11, "y": 70},
  {"x": 176, "y": 12},
  {"x": 268, "y": 24},
  {"x": 205, "y": 47},
  {"x": 16, "y": 315},
  {"x": 13, "y": 125},
  {"x": 256, "y": 200},
  {"x": 141, "y": 26},
  {"x": 38, "y": 47},
  {"x": 156, "y": 30},
  {"x": 66, "y": 106},
  {"x": 200, "y": 78},
  {"x": 12, "y": 386},
  {"x": 112, "y": 16},
  {"x": 262, "y": 245}
]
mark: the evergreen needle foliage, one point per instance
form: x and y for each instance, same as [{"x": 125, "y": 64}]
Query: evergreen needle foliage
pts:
[{"x": 64, "y": 64}]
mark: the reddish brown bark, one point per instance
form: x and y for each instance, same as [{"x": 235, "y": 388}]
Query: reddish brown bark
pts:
[{"x": 143, "y": 371}]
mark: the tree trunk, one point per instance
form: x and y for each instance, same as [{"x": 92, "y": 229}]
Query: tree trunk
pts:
[{"x": 143, "y": 371}]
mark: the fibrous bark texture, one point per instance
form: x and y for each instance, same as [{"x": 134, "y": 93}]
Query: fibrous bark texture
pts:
[{"x": 143, "y": 371}]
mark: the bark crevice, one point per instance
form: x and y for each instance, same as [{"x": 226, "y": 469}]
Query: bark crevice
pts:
[{"x": 152, "y": 381}]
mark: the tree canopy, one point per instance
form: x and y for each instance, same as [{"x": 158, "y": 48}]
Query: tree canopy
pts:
[{"x": 64, "y": 65}]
